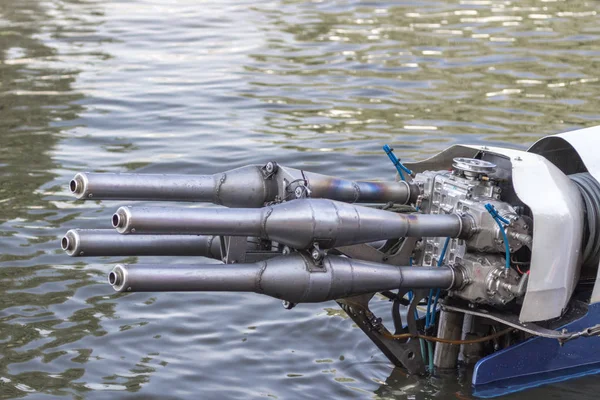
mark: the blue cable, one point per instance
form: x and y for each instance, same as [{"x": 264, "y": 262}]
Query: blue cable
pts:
[
  {"x": 399, "y": 167},
  {"x": 430, "y": 316},
  {"x": 499, "y": 219},
  {"x": 443, "y": 253}
]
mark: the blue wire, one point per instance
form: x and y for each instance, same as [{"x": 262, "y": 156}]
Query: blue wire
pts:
[
  {"x": 498, "y": 218},
  {"x": 399, "y": 167},
  {"x": 428, "y": 317},
  {"x": 443, "y": 253}
]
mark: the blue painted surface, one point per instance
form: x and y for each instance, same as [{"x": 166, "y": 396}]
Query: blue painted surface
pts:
[{"x": 539, "y": 361}]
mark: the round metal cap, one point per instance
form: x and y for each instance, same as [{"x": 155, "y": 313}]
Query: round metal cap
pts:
[{"x": 473, "y": 167}]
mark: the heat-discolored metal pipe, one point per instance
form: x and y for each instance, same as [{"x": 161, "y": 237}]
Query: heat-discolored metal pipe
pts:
[
  {"x": 330, "y": 187},
  {"x": 247, "y": 187},
  {"x": 297, "y": 223},
  {"x": 295, "y": 278},
  {"x": 107, "y": 242}
]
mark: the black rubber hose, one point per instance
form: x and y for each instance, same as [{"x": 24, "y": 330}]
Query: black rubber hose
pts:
[{"x": 590, "y": 193}]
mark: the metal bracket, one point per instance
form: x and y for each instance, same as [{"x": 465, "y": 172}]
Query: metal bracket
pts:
[
  {"x": 316, "y": 255},
  {"x": 402, "y": 256},
  {"x": 402, "y": 353},
  {"x": 362, "y": 251},
  {"x": 368, "y": 253},
  {"x": 269, "y": 169},
  {"x": 233, "y": 249}
]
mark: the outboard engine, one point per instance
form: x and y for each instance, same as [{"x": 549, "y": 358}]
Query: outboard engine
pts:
[{"x": 493, "y": 252}]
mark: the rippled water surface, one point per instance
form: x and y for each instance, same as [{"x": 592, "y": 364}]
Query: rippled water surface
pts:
[{"x": 199, "y": 87}]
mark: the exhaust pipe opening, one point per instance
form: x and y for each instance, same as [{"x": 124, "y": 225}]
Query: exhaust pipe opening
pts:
[
  {"x": 118, "y": 278},
  {"x": 116, "y": 220},
  {"x": 113, "y": 278},
  {"x": 74, "y": 186},
  {"x": 65, "y": 243}
]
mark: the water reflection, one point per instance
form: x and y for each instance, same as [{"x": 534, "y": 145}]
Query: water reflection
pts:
[
  {"x": 426, "y": 74},
  {"x": 39, "y": 322}
]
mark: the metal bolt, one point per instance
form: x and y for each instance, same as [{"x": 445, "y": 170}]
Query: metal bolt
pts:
[
  {"x": 90, "y": 195},
  {"x": 271, "y": 167},
  {"x": 129, "y": 289},
  {"x": 81, "y": 253},
  {"x": 288, "y": 305},
  {"x": 298, "y": 192},
  {"x": 132, "y": 230}
]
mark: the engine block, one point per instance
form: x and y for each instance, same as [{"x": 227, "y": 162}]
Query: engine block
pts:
[{"x": 466, "y": 190}]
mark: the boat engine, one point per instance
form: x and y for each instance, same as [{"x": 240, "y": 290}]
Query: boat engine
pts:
[{"x": 487, "y": 255}]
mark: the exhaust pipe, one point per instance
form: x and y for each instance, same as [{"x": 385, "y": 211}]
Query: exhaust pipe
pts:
[
  {"x": 298, "y": 223},
  {"x": 246, "y": 187},
  {"x": 241, "y": 187},
  {"x": 295, "y": 278},
  {"x": 107, "y": 242},
  {"x": 330, "y": 187}
]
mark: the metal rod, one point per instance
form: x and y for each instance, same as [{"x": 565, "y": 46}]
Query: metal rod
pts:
[
  {"x": 107, "y": 242},
  {"x": 295, "y": 278},
  {"x": 297, "y": 223}
]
